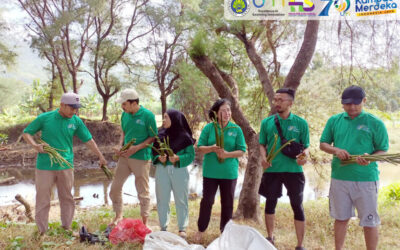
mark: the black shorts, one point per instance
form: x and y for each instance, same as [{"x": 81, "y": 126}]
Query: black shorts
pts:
[{"x": 271, "y": 185}]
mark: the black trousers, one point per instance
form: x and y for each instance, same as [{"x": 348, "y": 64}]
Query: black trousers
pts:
[{"x": 227, "y": 191}]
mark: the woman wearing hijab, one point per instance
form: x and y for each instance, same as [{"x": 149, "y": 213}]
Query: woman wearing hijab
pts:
[
  {"x": 220, "y": 165},
  {"x": 171, "y": 171}
]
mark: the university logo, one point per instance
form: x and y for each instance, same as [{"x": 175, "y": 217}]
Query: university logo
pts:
[
  {"x": 294, "y": 129},
  {"x": 341, "y": 6},
  {"x": 239, "y": 8},
  {"x": 71, "y": 126},
  {"x": 231, "y": 133},
  {"x": 138, "y": 121},
  {"x": 363, "y": 128}
]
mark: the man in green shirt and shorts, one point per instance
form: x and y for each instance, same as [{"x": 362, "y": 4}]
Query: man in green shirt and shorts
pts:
[
  {"x": 140, "y": 124},
  {"x": 58, "y": 128},
  {"x": 284, "y": 170},
  {"x": 354, "y": 132}
]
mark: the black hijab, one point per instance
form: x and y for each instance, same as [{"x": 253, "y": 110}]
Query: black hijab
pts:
[{"x": 179, "y": 134}]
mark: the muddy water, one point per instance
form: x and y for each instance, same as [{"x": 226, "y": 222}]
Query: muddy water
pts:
[{"x": 94, "y": 187}]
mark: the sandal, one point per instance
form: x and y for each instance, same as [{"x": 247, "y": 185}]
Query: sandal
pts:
[
  {"x": 271, "y": 240},
  {"x": 182, "y": 234},
  {"x": 198, "y": 237}
]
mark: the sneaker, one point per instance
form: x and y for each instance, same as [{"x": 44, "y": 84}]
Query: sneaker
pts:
[{"x": 300, "y": 248}]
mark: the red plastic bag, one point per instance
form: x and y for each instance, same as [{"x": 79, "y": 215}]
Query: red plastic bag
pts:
[{"x": 129, "y": 230}]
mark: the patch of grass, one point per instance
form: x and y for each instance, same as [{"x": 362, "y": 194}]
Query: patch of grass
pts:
[{"x": 319, "y": 228}]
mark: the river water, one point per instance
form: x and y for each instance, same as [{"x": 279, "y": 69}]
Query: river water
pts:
[{"x": 93, "y": 186}]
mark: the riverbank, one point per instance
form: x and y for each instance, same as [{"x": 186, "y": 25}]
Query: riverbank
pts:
[{"x": 319, "y": 234}]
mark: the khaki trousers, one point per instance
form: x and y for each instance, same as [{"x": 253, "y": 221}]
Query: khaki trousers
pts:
[
  {"x": 64, "y": 180},
  {"x": 140, "y": 169}
]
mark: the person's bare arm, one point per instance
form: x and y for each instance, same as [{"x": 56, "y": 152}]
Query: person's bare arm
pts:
[
  {"x": 223, "y": 154},
  {"x": 364, "y": 162},
  {"x": 134, "y": 148},
  {"x": 263, "y": 153},
  {"x": 208, "y": 149},
  {"x": 91, "y": 144},
  {"x": 29, "y": 139},
  {"x": 340, "y": 153},
  {"x": 301, "y": 159}
]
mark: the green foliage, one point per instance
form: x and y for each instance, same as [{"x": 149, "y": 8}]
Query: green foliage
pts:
[
  {"x": 390, "y": 193},
  {"x": 114, "y": 112},
  {"x": 198, "y": 45},
  {"x": 11, "y": 91},
  {"x": 13, "y": 116},
  {"x": 394, "y": 193},
  {"x": 7, "y": 56},
  {"x": 91, "y": 105},
  {"x": 194, "y": 96},
  {"x": 55, "y": 229},
  {"x": 16, "y": 243},
  {"x": 36, "y": 100},
  {"x": 3, "y": 139},
  {"x": 75, "y": 225}
]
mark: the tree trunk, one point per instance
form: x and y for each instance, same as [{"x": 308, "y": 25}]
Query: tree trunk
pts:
[
  {"x": 105, "y": 104},
  {"x": 249, "y": 200},
  {"x": 75, "y": 85},
  {"x": 304, "y": 56},
  {"x": 256, "y": 59},
  {"x": 163, "y": 99},
  {"x": 52, "y": 87}
]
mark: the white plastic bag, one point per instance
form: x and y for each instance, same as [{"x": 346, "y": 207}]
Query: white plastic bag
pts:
[
  {"x": 239, "y": 237},
  {"x": 163, "y": 240}
]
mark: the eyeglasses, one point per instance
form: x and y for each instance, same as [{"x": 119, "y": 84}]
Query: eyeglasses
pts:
[{"x": 279, "y": 100}]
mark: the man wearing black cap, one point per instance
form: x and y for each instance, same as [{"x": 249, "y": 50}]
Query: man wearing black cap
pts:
[
  {"x": 58, "y": 128},
  {"x": 284, "y": 170},
  {"x": 354, "y": 132}
]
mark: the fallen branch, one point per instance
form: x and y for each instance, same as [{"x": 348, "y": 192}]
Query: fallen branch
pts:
[
  {"x": 28, "y": 211},
  {"x": 129, "y": 194},
  {"x": 7, "y": 180},
  {"x": 55, "y": 202}
]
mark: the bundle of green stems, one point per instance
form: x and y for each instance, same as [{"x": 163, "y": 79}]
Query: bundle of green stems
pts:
[
  {"x": 272, "y": 153},
  {"x": 164, "y": 146},
  {"x": 125, "y": 147},
  {"x": 390, "y": 158},
  {"x": 107, "y": 172},
  {"x": 219, "y": 134},
  {"x": 54, "y": 156}
]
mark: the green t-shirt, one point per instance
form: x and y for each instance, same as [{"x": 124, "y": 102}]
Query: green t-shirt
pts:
[
  {"x": 233, "y": 140},
  {"x": 363, "y": 134},
  {"x": 139, "y": 126},
  {"x": 58, "y": 132},
  {"x": 186, "y": 156},
  {"x": 294, "y": 127}
]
